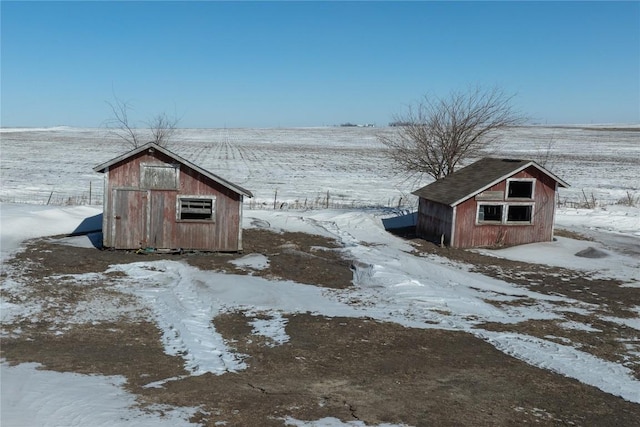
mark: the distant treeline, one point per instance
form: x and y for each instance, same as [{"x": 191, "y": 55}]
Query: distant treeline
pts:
[
  {"x": 370, "y": 125},
  {"x": 348, "y": 124},
  {"x": 399, "y": 123}
]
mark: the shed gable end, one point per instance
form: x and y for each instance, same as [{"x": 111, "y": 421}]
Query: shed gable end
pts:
[{"x": 495, "y": 202}]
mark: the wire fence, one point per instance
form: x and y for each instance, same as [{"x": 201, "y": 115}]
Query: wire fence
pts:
[
  {"x": 326, "y": 201},
  {"x": 95, "y": 196},
  {"x": 53, "y": 197}
]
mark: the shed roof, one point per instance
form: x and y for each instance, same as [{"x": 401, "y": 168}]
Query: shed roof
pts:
[
  {"x": 151, "y": 145},
  {"x": 475, "y": 178}
]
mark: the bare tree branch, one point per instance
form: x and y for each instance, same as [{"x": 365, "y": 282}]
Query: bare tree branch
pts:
[
  {"x": 545, "y": 155},
  {"x": 436, "y": 134},
  {"x": 119, "y": 124},
  {"x": 161, "y": 127}
]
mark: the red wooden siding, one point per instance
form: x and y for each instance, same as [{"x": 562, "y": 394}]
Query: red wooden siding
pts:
[
  {"x": 434, "y": 220},
  {"x": 137, "y": 217},
  {"x": 128, "y": 222},
  {"x": 468, "y": 233}
]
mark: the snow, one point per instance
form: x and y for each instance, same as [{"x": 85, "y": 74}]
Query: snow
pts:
[
  {"x": 302, "y": 165},
  {"x": 390, "y": 283},
  {"x": 627, "y": 220},
  {"x": 252, "y": 262},
  {"x": 184, "y": 299},
  {"x": 272, "y": 328},
  {"x": 21, "y": 223},
  {"x": 33, "y": 397},
  {"x": 562, "y": 253},
  {"x": 567, "y": 361}
]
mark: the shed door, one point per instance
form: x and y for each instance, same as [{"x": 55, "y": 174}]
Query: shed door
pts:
[
  {"x": 130, "y": 219},
  {"x": 162, "y": 214}
]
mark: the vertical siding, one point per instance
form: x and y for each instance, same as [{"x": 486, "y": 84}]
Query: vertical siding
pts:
[
  {"x": 107, "y": 236},
  {"x": 223, "y": 233},
  {"x": 159, "y": 219},
  {"x": 434, "y": 221},
  {"x": 129, "y": 208},
  {"x": 470, "y": 234}
]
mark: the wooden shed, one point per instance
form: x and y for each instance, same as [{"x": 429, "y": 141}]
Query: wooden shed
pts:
[
  {"x": 492, "y": 202},
  {"x": 153, "y": 198}
]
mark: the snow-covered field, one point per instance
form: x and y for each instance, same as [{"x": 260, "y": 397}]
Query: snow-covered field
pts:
[
  {"x": 55, "y": 165},
  {"x": 390, "y": 283}
]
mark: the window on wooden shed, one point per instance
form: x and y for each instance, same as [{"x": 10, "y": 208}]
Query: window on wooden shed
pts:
[
  {"x": 520, "y": 189},
  {"x": 519, "y": 213},
  {"x": 159, "y": 177},
  {"x": 197, "y": 208},
  {"x": 490, "y": 213}
]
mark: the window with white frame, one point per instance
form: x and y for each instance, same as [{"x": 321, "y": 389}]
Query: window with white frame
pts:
[
  {"x": 522, "y": 214},
  {"x": 197, "y": 208},
  {"x": 509, "y": 214},
  {"x": 489, "y": 213},
  {"x": 520, "y": 188}
]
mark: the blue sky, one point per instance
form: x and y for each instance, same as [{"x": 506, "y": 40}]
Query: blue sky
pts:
[{"x": 272, "y": 64}]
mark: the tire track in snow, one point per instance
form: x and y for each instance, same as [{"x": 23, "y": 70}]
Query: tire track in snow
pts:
[
  {"x": 411, "y": 288},
  {"x": 184, "y": 316},
  {"x": 415, "y": 290}
]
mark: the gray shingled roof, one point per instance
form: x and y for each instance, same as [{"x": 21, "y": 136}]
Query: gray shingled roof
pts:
[
  {"x": 231, "y": 186},
  {"x": 475, "y": 178}
]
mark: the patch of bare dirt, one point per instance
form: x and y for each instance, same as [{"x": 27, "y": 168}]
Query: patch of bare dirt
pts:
[
  {"x": 610, "y": 295},
  {"x": 299, "y": 257},
  {"x": 131, "y": 349},
  {"x": 591, "y": 333},
  {"x": 351, "y": 369},
  {"x": 561, "y": 232},
  {"x": 303, "y": 258}
]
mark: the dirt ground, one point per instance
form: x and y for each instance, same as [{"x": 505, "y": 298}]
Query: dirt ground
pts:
[{"x": 351, "y": 369}]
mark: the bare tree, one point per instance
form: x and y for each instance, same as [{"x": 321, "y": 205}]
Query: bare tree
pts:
[
  {"x": 544, "y": 155},
  {"x": 436, "y": 134},
  {"x": 159, "y": 129},
  {"x": 162, "y": 128},
  {"x": 119, "y": 124}
]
